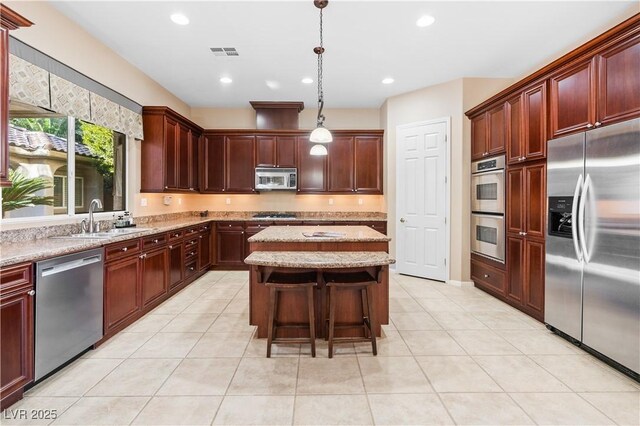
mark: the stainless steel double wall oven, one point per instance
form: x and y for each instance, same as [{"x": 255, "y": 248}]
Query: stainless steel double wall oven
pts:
[{"x": 487, "y": 207}]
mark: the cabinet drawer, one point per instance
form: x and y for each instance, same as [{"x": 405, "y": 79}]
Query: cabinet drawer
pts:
[
  {"x": 317, "y": 223},
  {"x": 157, "y": 240},
  {"x": 190, "y": 268},
  {"x": 379, "y": 226},
  {"x": 176, "y": 234},
  {"x": 14, "y": 277},
  {"x": 192, "y": 230},
  {"x": 190, "y": 252},
  {"x": 231, "y": 226},
  {"x": 119, "y": 250},
  {"x": 191, "y": 245},
  {"x": 255, "y": 227},
  {"x": 204, "y": 227},
  {"x": 488, "y": 275}
]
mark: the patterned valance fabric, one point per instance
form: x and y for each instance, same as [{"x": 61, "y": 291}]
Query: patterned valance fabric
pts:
[
  {"x": 33, "y": 85},
  {"x": 28, "y": 83}
]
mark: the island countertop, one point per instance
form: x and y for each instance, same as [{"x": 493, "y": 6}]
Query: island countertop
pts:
[
  {"x": 295, "y": 234},
  {"x": 319, "y": 259}
]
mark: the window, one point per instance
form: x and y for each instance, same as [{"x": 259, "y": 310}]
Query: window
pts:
[{"x": 41, "y": 168}]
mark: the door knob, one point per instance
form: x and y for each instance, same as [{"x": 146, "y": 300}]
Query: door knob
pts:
[{"x": 402, "y": 220}]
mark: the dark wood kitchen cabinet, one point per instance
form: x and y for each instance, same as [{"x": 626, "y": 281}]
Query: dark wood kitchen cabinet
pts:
[
  {"x": 16, "y": 331},
  {"x": 251, "y": 229},
  {"x": 122, "y": 291},
  {"x": 155, "y": 275},
  {"x": 9, "y": 21},
  {"x": 479, "y": 136},
  {"x": 526, "y": 200},
  {"x": 176, "y": 263},
  {"x": 230, "y": 244},
  {"x": 239, "y": 164},
  {"x": 526, "y": 274},
  {"x": 368, "y": 164},
  {"x": 312, "y": 169},
  {"x": 534, "y": 122},
  {"x": 341, "y": 164},
  {"x": 488, "y": 132},
  {"x": 276, "y": 151},
  {"x": 169, "y": 152},
  {"x": 514, "y": 119},
  {"x": 212, "y": 174},
  {"x": 205, "y": 250}
]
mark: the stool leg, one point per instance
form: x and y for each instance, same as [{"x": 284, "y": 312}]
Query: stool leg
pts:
[
  {"x": 325, "y": 322},
  {"x": 312, "y": 321},
  {"x": 332, "y": 318},
  {"x": 372, "y": 323},
  {"x": 365, "y": 310},
  {"x": 272, "y": 314}
]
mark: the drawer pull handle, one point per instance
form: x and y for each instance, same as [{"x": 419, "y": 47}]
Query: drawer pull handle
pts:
[
  {"x": 125, "y": 248},
  {"x": 191, "y": 268},
  {"x": 192, "y": 253},
  {"x": 156, "y": 241},
  {"x": 486, "y": 275},
  {"x": 31, "y": 292},
  {"x": 176, "y": 235}
]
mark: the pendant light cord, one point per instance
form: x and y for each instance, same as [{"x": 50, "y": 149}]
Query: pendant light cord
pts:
[{"x": 320, "y": 119}]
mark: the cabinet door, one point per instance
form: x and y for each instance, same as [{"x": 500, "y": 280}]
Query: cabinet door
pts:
[
  {"x": 230, "y": 247},
  {"x": 515, "y": 262},
  {"x": 239, "y": 164},
  {"x": 534, "y": 276},
  {"x": 536, "y": 206},
  {"x": 341, "y": 161},
  {"x": 497, "y": 126},
  {"x": 205, "y": 250},
  {"x": 176, "y": 264},
  {"x": 619, "y": 82},
  {"x": 368, "y": 164},
  {"x": 171, "y": 153},
  {"x": 479, "y": 137},
  {"x": 311, "y": 168},
  {"x": 17, "y": 337},
  {"x": 286, "y": 151},
  {"x": 184, "y": 160},
  {"x": 515, "y": 202},
  {"x": 194, "y": 161},
  {"x": 572, "y": 99},
  {"x": 514, "y": 130},
  {"x": 535, "y": 122},
  {"x": 212, "y": 164},
  {"x": 155, "y": 275},
  {"x": 122, "y": 291},
  {"x": 266, "y": 151}
]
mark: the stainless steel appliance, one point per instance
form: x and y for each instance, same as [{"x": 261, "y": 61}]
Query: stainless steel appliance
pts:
[
  {"x": 488, "y": 235},
  {"x": 69, "y": 296},
  {"x": 487, "y": 185},
  {"x": 272, "y": 179},
  {"x": 487, "y": 208},
  {"x": 593, "y": 246}
]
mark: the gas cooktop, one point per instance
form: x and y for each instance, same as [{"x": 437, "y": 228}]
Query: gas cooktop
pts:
[{"x": 274, "y": 216}]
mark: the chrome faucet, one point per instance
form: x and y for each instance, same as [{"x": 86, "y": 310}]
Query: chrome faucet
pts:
[{"x": 91, "y": 225}]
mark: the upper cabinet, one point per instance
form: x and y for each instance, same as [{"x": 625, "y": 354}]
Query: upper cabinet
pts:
[
  {"x": 212, "y": 164},
  {"x": 603, "y": 89},
  {"x": 312, "y": 169},
  {"x": 169, "y": 152},
  {"x": 239, "y": 168},
  {"x": 9, "y": 20},
  {"x": 488, "y": 132},
  {"x": 368, "y": 164},
  {"x": 534, "y": 122},
  {"x": 276, "y": 151},
  {"x": 341, "y": 159}
]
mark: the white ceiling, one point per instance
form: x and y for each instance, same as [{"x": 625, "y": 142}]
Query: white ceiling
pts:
[{"x": 365, "y": 42}]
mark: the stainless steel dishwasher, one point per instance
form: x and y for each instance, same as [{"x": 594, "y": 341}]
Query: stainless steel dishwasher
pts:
[{"x": 69, "y": 296}]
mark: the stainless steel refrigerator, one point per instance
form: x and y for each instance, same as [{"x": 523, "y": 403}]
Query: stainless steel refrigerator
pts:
[{"x": 592, "y": 282}]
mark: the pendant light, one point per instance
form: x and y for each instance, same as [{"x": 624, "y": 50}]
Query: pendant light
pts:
[{"x": 320, "y": 134}]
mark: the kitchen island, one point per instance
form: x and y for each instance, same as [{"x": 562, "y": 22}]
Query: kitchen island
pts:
[{"x": 287, "y": 247}]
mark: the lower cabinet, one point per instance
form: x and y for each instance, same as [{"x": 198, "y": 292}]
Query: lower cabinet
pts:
[
  {"x": 526, "y": 274},
  {"x": 155, "y": 275},
  {"x": 492, "y": 279},
  {"x": 176, "y": 263},
  {"x": 16, "y": 332},
  {"x": 122, "y": 291},
  {"x": 205, "y": 251},
  {"x": 230, "y": 244}
]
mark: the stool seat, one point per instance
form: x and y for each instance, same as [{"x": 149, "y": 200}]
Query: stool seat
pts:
[
  {"x": 357, "y": 280},
  {"x": 290, "y": 281}
]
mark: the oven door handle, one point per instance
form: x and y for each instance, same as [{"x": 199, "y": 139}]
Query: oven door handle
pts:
[{"x": 575, "y": 219}]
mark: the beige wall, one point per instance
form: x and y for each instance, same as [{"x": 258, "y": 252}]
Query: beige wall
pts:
[{"x": 447, "y": 100}]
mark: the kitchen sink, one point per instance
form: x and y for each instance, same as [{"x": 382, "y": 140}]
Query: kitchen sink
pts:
[{"x": 102, "y": 235}]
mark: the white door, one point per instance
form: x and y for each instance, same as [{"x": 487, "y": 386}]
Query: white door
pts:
[{"x": 422, "y": 199}]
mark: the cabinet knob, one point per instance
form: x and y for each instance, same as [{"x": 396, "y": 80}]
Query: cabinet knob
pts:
[
  {"x": 31, "y": 292},
  {"x": 589, "y": 125},
  {"x": 142, "y": 256},
  {"x": 486, "y": 275},
  {"x": 156, "y": 241},
  {"x": 191, "y": 268},
  {"x": 170, "y": 247},
  {"x": 192, "y": 253},
  {"x": 176, "y": 235},
  {"x": 598, "y": 124},
  {"x": 222, "y": 189},
  {"x": 125, "y": 248},
  {"x": 200, "y": 236},
  {"x": 166, "y": 187}
]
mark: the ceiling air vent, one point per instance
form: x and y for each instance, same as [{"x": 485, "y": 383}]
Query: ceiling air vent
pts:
[{"x": 224, "y": 51}]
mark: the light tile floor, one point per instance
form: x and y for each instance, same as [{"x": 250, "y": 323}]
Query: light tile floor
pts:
[{"x": 449, "y": 356}]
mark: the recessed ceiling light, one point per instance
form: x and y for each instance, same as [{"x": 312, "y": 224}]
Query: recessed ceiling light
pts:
[
  {"x": 226, "y": 80},
  {"x": 180, "y": 19},
  {"x": 425, "y": 21},
  {"x": 388, "y": 80},
  {"x": 307, "y": 80},
  {"x": 273, "y": 85}
]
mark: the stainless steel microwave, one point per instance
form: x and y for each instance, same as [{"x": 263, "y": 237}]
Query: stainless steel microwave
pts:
[{"x": 276, "y": 179}]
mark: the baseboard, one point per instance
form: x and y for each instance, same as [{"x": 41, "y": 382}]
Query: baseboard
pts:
[{"x": 464, "y": 284}]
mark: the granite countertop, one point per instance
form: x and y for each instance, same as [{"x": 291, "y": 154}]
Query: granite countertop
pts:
[
  {"x": 319, "y": 259},
  {"x": 290, "y": 234},
  {"x": 33, "y": 250}
]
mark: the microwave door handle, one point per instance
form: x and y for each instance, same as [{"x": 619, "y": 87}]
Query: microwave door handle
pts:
[
  {"x": 575, "y": 219},
  {"x": 581, "y": 221}
]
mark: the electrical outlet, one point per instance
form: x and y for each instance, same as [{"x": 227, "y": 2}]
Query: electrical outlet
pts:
[
  {"x": 330, "y": 201},
  {"x": 360, "y": 201},
  {"x": 143, "y": 202},
  {"x": 228, "y": 201}
]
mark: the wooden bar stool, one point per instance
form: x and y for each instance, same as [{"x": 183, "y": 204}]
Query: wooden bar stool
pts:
[
  {"x": 360, "y": 280},
  {"x": 291, "y": 281}
]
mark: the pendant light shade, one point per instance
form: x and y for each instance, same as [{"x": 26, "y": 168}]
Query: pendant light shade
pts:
[
  {"x": 318, "y": 149},
  {"x": 321, "y": 135}
]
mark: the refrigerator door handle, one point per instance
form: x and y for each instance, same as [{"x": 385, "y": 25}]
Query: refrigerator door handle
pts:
[
  {"x": 576, "y": 219},
  {"x": 581, "y": 212}
]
